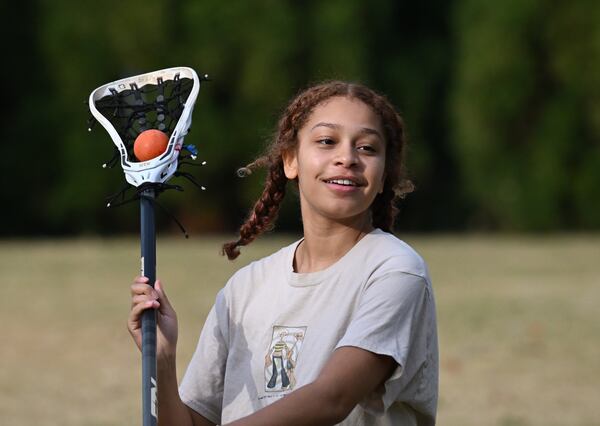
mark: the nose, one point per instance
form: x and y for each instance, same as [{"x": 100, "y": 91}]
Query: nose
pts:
[{"x": 346, "y": 155}]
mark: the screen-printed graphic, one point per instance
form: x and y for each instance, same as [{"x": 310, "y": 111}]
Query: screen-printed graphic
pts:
[{"x": 280, "y": 361}]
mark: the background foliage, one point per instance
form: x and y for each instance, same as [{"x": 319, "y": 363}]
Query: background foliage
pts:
[{"x": 501, "y": 100}]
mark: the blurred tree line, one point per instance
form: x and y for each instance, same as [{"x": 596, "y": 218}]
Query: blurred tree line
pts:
[{"x": 501, "y": 101}]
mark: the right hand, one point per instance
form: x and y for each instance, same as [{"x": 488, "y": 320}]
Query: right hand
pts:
[{"x": 143, "y": 297}]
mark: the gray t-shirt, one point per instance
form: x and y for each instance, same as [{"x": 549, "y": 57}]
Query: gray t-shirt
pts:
[{"x": 271, "y": 331}]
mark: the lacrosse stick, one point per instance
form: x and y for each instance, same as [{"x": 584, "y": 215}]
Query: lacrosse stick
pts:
[{"x": 161, "y": 100}]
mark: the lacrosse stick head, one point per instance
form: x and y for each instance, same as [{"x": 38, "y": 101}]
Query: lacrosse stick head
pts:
[{"x": 161, "y": 100}]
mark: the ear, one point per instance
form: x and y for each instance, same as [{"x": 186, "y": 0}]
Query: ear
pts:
[{"x": 290, "y": 164}]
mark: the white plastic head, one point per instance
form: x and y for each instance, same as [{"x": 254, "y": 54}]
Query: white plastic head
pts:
[{"x": 123, "y": 108}]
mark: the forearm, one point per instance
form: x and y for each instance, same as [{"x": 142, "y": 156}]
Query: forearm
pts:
[
  {"x": 350, "y": 375},
  {"x": 310, "y": 405},
  {"x": 171, "y": 410}
]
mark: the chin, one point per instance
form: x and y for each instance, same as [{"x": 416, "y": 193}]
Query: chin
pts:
[{"x": 347, "y": 215}]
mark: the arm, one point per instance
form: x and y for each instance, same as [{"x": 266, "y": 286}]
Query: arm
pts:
[
  {"x": 350, "y": 375},
  {"x": 171, "y": 410}
]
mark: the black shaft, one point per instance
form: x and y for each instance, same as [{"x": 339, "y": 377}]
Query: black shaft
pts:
[{"x": 148, "y": 243}]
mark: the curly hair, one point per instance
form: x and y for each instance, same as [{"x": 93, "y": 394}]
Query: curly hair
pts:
[{"x": 396, "y": 185}]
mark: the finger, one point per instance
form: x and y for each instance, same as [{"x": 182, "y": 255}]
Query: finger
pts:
[
  {"x": 134, "y": 322},
  {"x": 137, "y": 310},
  {"x": 139, "y": 288},
  {"x": 162, "y": 296},
  {"x": 142, "y": 298}
]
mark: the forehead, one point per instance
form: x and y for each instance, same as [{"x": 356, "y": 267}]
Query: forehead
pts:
[{"x": 344, "y": 112}]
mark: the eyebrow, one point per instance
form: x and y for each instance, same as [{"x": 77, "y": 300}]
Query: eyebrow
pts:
[{"x": 365, "y": 130}]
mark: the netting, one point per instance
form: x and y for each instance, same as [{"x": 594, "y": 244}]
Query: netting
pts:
[{"x": 152, "y": 106}]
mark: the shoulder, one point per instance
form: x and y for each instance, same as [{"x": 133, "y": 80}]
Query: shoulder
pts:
[
  {"x": 253, "y": 285},
  {"x": 261, "y": 271},
  {"x": 275, "y": 261},
  {"x": 385, "y": 253}
]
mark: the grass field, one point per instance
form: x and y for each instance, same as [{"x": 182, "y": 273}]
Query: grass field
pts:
[{"x": 519, "y": 326}]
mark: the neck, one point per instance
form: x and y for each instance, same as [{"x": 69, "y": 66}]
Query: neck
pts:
[{"x": 326, "y": 242}]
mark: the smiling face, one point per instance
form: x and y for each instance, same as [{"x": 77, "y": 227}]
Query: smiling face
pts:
[{"x": 339, "y": 162}]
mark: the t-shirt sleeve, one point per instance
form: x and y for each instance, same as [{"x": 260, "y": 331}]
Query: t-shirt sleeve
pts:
[
  {"x": 202, "y": 386},
  {"x": 396, "y": 317}
]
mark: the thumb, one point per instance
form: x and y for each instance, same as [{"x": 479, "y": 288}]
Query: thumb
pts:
[{"x": 164, "y": 300}]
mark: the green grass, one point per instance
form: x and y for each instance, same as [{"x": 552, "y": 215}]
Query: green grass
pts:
[{"x": 519, "y": 328}]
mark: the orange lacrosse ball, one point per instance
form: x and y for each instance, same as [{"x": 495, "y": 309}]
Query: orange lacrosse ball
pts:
[{"x": 150, "y": 144}]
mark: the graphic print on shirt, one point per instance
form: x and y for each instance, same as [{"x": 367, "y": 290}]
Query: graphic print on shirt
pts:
[{"x": 280, "y": 361}]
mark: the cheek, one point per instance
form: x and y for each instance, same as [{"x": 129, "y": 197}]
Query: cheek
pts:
[
  {"x": 379, "y": 176},
  {"x": 308, "y": 164}
]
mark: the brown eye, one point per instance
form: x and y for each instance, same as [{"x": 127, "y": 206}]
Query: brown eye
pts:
[{"x": 367, "y": 148}]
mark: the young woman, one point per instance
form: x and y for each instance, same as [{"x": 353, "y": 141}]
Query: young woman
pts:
[{"x": 337, "y": 328}]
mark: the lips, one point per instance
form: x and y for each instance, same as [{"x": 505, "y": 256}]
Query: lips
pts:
[{"x": 344, "y": 181}]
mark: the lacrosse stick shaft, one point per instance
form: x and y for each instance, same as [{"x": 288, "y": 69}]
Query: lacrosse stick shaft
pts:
[{"x": 148, "y": 245}]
